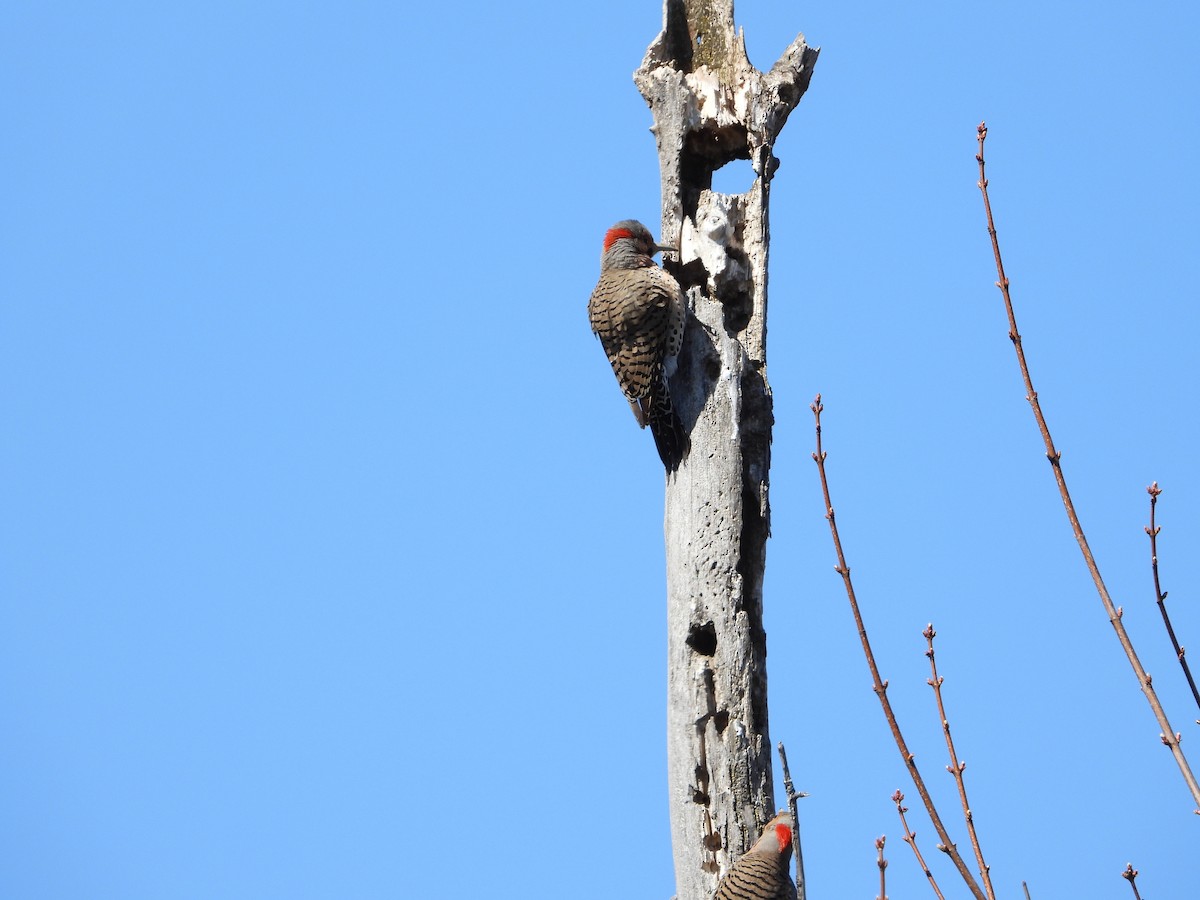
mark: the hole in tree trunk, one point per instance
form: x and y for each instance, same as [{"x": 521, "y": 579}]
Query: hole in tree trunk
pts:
[
  {"x": 734, "y": 177},
  {"x": 703, "y": 638}
]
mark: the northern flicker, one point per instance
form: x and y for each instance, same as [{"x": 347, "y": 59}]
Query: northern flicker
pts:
[
  {"x": 763, "y": 872},
  {"x": 637, "y": 310}
]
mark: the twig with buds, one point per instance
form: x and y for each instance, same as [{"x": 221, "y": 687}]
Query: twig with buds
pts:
[
  {"x": 910, "y": 838},
  {"x": 956, "y": 766},
  {"x": 1169, "y": 737},
  {"x": 1154, "y": 490},
  {"x": 882, "y": 863},
  {"x": 1130, "y": 874},
  {"x": 878, "y": 685}
]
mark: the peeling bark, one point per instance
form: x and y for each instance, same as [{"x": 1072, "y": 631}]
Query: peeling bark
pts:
[{"x": 710, "y": 107}]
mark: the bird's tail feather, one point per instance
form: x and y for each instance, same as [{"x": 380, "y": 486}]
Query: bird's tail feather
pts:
[{"x": 669, "y": 435}]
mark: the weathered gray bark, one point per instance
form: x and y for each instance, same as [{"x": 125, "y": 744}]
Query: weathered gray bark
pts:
[{"x": 711, "y": 106}]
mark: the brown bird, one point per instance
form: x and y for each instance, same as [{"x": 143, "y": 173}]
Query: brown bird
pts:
[
  {"x": 763, "y": 872},
  {"x": 637, "y": 310}
]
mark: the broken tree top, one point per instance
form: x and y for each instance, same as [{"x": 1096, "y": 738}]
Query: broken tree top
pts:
[{"x": 697, "y": 68}]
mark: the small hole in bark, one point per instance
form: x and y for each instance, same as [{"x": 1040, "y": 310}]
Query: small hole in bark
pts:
[
  {"x": 720, "y": 720},
  {"x": 737, "y": 308},
  {"x": 735, "y": 177},
  {"x": 703, "y": 638}
]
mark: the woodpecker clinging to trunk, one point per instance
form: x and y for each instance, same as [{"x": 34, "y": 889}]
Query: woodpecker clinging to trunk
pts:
[
  {"x": 763, "y": 873},
  {"x": 637, "y": 310}
]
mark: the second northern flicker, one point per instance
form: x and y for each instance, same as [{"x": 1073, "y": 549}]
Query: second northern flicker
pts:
[
  {"x": 637, "y": 310},
  {"x": 763, "y": 872}
]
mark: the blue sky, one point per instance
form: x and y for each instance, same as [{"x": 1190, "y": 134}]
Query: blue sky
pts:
[{"x": 331, "y": 556}]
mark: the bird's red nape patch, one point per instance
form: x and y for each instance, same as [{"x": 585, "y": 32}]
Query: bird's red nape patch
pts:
[
  {"x": 615, "y": 234},
  {"x": 783, "y": 834}
]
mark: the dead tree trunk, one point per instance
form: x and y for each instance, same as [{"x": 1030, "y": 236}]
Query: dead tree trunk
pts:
[{"x": 711, "y": 106}]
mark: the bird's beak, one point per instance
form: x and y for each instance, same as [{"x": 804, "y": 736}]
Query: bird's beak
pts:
[{"x": 666, "y": 248}]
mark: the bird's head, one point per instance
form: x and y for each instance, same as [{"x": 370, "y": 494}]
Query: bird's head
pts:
[
  {"x": 776, "y": 838},
  {"x": 629, "y": 245}
]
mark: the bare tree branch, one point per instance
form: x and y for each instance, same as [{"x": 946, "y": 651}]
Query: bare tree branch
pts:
[
  {"x": 956, "y": 766},
  {"x": 1169, "y": 737},
  {"x": 792, "y": 797},
  {"x": 1161, "y": 595},
  {"x": 910, "y": 838},
  {"x": 879, "y": 686}
]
